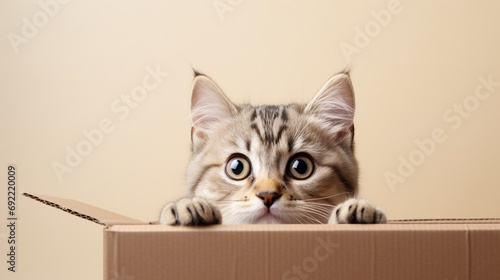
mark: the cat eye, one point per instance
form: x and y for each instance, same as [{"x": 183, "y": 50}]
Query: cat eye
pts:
[
  {"x": 238, "y": 167},
  {"x": 300, "y": 167}
]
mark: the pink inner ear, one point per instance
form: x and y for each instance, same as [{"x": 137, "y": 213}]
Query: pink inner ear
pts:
[
  {"x": 334, "y": 104},
  {"x": 197, "y": 135},
  {"x": 340, "y": 87},
  {"x": 200, "y": 135},
  {"x": 209, "y": 105}
]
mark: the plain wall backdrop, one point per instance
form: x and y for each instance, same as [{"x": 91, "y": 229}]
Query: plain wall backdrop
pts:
[{"x": 95, "y": 97}]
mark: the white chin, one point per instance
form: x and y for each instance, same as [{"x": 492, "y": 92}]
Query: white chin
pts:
[{"x": 267, "y": 219}]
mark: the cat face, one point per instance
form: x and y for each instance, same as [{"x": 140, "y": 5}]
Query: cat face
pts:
[{"x": 273, "y": 163}]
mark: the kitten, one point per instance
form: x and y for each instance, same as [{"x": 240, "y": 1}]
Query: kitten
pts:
[{"x": 272, "y": 164}]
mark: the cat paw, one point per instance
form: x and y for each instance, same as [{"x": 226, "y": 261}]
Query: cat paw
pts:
[
  {"x": 192, "y": 211},
  {"x": 357, "y": 211}
]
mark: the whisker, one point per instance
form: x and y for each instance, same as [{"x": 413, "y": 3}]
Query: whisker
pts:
[
  {"x": 325, "y": 197},
  {"x": 319, "y": 208},
  {"x": 318, "y": 204},
  {"x": 322, "y": 206},
  {"x": 318, "y": 212},
  {"x": 310, "y": 217},
  {"x": 298, "y": 218},
  {"x": 302, "y": 217},
  {"x": 306, "y": 215}
]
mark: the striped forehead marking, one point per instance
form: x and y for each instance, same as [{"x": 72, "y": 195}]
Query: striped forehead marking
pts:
[{"x": 269, "y": 122}]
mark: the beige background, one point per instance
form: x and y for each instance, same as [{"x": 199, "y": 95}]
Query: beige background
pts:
[{"x": 409, "y": 75}]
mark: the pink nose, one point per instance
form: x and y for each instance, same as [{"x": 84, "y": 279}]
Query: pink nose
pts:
[{"x": 268, "y": 198}]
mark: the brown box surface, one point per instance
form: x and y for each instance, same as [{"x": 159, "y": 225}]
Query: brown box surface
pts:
[{"x": 422, "y": 249}]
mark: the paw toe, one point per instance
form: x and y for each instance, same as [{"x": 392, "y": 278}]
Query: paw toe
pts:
[
  {"x": 168, "y": 215},
  {"x": 194, "y": 211},
  {"x": 354, "y": 211}
]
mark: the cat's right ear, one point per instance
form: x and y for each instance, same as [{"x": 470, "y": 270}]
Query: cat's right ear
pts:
[
  {"x": 334, "y": 106},
  {"x": 210, "y": 108}
]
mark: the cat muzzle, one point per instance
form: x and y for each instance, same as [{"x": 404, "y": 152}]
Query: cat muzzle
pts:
[{"x": 268, "y": 197}]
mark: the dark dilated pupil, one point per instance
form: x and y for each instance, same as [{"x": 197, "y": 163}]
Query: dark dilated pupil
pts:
[
  {"x": 237, "y": 166},
  {"x": 300, "y": 166}
]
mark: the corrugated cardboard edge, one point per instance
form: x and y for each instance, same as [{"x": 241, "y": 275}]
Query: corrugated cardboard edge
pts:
[
  {"x": 85, "y": 211},
  {"x": 447, "y": 221}
]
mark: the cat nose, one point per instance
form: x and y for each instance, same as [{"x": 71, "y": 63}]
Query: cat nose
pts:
[{"x": 268, "y": 197}]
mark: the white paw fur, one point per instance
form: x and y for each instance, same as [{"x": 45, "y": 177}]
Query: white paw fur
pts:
[
  {"x": 191, "y": 211},
  {"x": 357, "y": 211}
]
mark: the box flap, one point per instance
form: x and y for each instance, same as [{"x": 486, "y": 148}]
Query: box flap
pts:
[{"x": 85, "y": 211}]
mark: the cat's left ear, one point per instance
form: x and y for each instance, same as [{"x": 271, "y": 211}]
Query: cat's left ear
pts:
[
  {"x": 334, "y": 104},
  {"x": 210, "y": 108}
]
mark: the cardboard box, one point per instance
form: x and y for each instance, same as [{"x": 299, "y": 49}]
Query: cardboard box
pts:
[{"x": 418, "y": 249}]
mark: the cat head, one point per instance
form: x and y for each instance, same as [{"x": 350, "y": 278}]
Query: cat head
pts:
[{"x": 273, "y": 163}]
